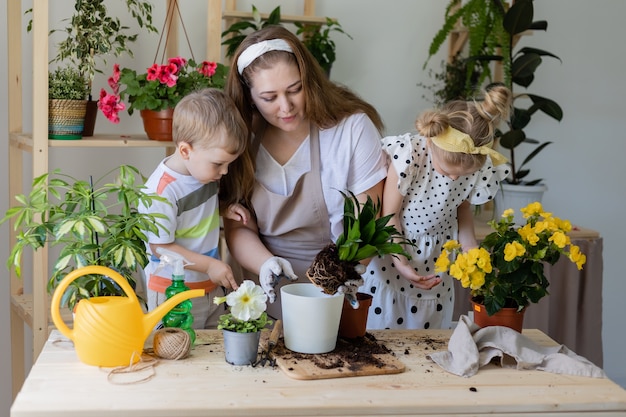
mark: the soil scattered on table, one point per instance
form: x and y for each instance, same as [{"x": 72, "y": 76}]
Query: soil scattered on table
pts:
[{"x": 352, "y": 354}]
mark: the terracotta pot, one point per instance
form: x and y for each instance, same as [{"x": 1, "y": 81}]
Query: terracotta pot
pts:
[
  {"x": 353, "y": 322},
  {"x": 158, "y": 124},
  {"x": 507, "y": 317}
]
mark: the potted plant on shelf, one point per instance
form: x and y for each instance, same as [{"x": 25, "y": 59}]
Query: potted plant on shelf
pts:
[
  {"x": 316, "y": 37},
  {"x": 67, "y": 101},
  {"x": 506, "y": 272},
  {"x": 494, "y": 27},
  {"x": 92, "y": 34},
  {"x": 243, "y": 325},
  {"x": 92, "y": 223},
  {"x": 156, "y": 92}
]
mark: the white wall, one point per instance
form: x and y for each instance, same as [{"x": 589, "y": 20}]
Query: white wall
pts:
[{"x": 584, "y": 168}]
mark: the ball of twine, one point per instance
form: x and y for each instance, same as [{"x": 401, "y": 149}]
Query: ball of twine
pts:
[{"x": 171, "y": 343}]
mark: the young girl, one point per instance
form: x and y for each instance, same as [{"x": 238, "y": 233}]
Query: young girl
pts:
[{"x": 433, "y": 178}]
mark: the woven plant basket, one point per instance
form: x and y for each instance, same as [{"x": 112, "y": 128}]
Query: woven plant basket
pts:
[{"x": 66, "y": 118}]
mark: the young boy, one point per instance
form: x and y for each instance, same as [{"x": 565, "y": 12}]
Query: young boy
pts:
[{"x": 209, "y": 134}]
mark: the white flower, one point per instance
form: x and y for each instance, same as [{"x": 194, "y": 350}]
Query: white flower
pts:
[{"x": 248, "y": 302}]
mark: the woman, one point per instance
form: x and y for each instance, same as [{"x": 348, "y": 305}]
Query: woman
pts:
[{"x": 311, "y": 139}]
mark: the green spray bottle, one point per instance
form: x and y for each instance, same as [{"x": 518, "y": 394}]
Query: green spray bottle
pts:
[{"x": 179, "y": 316}]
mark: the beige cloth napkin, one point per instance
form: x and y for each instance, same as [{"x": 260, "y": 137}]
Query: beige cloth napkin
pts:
[{"x": 472, "y": 347}]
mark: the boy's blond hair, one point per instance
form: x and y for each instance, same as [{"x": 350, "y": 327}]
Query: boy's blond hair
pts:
[{"x": 200, "y": 115}]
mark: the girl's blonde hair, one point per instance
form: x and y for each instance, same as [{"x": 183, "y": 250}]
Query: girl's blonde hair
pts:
[{"x": 479, "y": 118}]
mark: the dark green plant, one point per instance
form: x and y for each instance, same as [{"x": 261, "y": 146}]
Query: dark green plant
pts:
[
  {"x": 92, "y": 34},
  {"x": 317, "y": 40},
  {"x": 238, "y": 31},
  {"x": 92, "y": 223},
  {"x": 450, "y": 82},
  {"x": 486, "y": 35},
  {"x": 498, "y": 25},
  {"x": 67, "y": 84},
  {"x": 315, "y": 37}
]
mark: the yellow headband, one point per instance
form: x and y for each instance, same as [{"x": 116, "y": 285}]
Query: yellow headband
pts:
[{"x": 453, "y": 140}]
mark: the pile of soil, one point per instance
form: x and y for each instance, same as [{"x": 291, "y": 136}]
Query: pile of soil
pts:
[{"x": 352, "y": 354}]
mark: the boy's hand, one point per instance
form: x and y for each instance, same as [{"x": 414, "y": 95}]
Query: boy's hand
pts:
[{"x": 221, "y": 274}]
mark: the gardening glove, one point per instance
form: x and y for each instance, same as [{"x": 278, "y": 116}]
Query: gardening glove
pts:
[
  {"x": 271, "y": 272},
  {"x": 350, "y": 287}
]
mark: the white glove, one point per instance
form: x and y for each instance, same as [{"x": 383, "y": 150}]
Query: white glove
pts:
[
  {"x": 350, "y": 287},
  {"x": 271, "y": 271},
  {"x": 349, "y": 290}
]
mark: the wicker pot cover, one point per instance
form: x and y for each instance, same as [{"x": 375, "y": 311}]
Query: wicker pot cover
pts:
[{"x": 66, "y": 118}]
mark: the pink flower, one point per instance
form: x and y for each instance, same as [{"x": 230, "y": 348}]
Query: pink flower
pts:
[
  {"x": 167, "y": 75},
  {"x": 208, "y": 68},
  {"x": 153, "y": 72},
  {"x": 179, "y": 62},
  {"x": 110, "y": 105}
]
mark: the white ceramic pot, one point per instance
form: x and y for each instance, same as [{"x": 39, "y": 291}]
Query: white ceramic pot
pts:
[
  {"x": 310, "y": 318},
  {"x": 516, "y": 197}
]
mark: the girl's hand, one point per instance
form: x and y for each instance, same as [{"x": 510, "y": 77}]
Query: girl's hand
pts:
[{"x": 424, "y": 282}]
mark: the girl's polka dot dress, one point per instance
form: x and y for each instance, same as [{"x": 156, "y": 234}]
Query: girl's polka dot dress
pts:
[{"x": 429, "y": 219}]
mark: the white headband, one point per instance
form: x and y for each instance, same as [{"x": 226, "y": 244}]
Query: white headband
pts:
[{"x": 252, "y": 52}]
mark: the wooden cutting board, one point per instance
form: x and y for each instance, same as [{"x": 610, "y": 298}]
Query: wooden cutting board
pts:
[{"x": 355, "y": 357}]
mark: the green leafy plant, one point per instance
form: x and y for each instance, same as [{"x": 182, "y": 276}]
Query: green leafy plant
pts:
[
  {"x": 92, "y": 34},
  {"x": 92, "y": 223},
  {"x": 247, "y": 309},
  {"x": 364, "y": 235},
  {"x": 317, "y": 40},
  {"x": 507, "y": 269},
  {"x": 237, "y": 32},
  {"x": 67, "y": 84},
  {"x": 493, "y": 28},
  {"x": 315, "y": 37}
]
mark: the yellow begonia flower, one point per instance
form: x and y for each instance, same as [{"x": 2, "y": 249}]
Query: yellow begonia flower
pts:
[
  {"x": 484, "y": 261},
  {"x": 531, "y": 209},
  {"x": 508, "y": 212},
  {"x": 477, "y": 280},
  {"x": 560, "y": 239},
  {"x": 513, "y": 250},
  {"x": 451, "y": 245},
  {"x": 564, "y": 225},
  {"x": 540, "y": 227},
  {"x": 575, "y": 255},
  {"x": 456, "y": 272},
  {"x": 443, "y": 262},
  {"x": 527, "y": 233}
]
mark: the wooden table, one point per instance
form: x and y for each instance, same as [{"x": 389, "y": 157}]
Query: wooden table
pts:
[{"x": 205, "y": 385}]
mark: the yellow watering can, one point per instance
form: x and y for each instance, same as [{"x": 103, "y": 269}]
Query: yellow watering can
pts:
[{"x": 110, "y": 331}]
